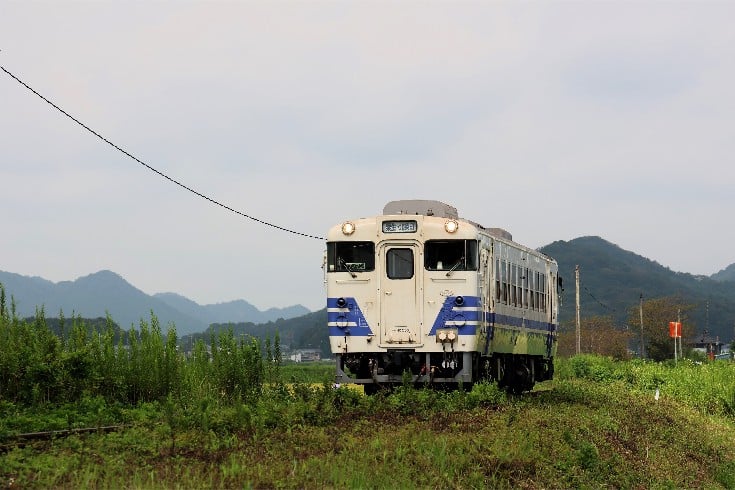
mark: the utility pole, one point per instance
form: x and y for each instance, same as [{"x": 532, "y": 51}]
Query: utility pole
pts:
[
  {"x": 706, "y": 317},
  {"x": 681, "y": 349},
  {"x": 643, "y": 349},
  {"x": 676, "y": 332},
  {"x": 579, "y": 327}
]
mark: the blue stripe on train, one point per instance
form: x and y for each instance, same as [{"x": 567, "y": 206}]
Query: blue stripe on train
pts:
[
  {"x": 350, "y": 320},
  {"x": 516, "y": 321},
  {"x": 346, "y": 321},
  {"x": 464, "y": 317}
]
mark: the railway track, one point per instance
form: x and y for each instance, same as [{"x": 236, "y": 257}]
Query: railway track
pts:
[{"x": 20, "y": 440}]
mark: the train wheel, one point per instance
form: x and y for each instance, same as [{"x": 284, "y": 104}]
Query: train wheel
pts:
[
  {"x": 517, "y": 378},
  {"x": 466, "y": 387},
  {"x": 370, "y": 389}
]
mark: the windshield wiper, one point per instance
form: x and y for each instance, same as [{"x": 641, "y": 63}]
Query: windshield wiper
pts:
[
  {"x": 459, "y": 262},
  {"x": 344, "y": 264}
]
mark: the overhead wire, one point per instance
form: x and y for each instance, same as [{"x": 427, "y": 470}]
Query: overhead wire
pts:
[
  {"x": 152, "y": 169},
  {"x": 598, "y": 301}
]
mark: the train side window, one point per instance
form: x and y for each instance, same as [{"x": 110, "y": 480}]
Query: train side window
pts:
[
  {"x": 519, "y": 284},
  {"x": 519, "y": 270},
  {"x": 543, "y": 292},
  {"x": 497, "y": 280},
  {"x": 536, "y": 291},
  {"x": 350, "y": 256},
  {"x": 472, "y": 255},
  {"x": 399, "y": 263}
]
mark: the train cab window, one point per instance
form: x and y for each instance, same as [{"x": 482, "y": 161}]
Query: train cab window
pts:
[
  {"x": 451, "y": 255},
  {"x": 350, "y": 257},
  {"x": 399, "y": 263}
]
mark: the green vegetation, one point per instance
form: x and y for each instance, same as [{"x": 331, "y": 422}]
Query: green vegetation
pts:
[
  {"x": 574, "y": 432},
  {"x": 231, "y": 415},
  {"x": 308, "y": 372}
]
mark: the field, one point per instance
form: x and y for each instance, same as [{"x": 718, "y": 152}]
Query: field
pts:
[
  {"x": 83, "y": 409},
  {"x": 597, "y": 425}
]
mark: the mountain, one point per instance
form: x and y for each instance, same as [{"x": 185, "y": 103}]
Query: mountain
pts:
[
  {"x": 612, "y": 280},
  {"x": 231, "y": 311},
  {"x": 107, "y": 292},
  {"x": 726, "y": 274}
]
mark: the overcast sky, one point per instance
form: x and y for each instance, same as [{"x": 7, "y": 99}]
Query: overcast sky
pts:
[{"x": 553, "y": 120}]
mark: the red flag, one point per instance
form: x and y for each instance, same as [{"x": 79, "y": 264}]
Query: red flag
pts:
[{"x": 674, "y": 329}]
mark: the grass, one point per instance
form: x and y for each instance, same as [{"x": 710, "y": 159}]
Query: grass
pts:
[
  {"x": 307, "y": 372},
  {"x": 573, "y": 432}
]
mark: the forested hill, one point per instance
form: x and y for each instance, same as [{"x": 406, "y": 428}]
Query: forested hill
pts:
[
  {"x": 726, "y": 274},
  {"x": 612, "y": 280},
  {"x": 307, "y": 331}
]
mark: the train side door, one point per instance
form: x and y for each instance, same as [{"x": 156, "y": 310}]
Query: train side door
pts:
[
  {"x": 487, "y": 287},
  {"x": 399, "y": 294}
]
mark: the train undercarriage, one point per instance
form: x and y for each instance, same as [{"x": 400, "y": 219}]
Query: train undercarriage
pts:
[{"x": 515, "y": 373}]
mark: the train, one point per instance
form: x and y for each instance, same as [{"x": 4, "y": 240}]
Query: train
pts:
[{"x": 419, "y": 295}]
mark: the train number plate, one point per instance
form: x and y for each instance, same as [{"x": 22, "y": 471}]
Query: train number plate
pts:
[
  {"x": 399, "y": 334},
  {"x": 399, "y": 227}
]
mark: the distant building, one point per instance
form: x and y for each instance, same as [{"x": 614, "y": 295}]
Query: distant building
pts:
[
  {"x": 306, "y": 355},
  {"x": 710, "y": 346}
]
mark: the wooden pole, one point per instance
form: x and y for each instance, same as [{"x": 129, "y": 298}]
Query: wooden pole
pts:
[
  {"x": 579, "y": 326},
  {"x": 681, "y": 350},
  {"x": 643, "y": 349}
]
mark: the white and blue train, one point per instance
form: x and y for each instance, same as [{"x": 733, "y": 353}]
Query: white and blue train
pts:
[{"x": 420, "y": 292}]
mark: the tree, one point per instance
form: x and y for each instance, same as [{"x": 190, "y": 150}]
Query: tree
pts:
[
  {"x": 598, "y": 335},
  {"x": 657, "y": 313}
]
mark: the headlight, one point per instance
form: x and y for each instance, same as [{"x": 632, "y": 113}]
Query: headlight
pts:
[
  {"x": 348, "y": 228},
  {"x": 451, "y": 226}
]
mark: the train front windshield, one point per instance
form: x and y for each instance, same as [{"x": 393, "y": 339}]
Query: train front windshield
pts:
[
  {"x": 456, "y": 255},
  {"x": 350, "y": 256}
]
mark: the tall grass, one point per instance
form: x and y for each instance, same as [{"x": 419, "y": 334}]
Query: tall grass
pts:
[
  {"x": 39, "y": 367},
  {"x": 144, "y": 365}
]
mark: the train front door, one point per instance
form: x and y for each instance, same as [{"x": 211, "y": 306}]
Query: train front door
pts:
[{"x": 400, "y": 322}]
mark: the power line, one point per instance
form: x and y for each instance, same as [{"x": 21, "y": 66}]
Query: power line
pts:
[
  {"x": 126, "y": 153},
  {"x": 598, "y": 301}
]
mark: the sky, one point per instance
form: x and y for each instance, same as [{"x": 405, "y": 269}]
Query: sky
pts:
[{"x": 552, "y": 120}]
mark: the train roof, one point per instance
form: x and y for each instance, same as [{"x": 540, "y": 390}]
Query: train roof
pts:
[
  {"x": 422, "y": 207},
  {"x": 438, "y": 209}
]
